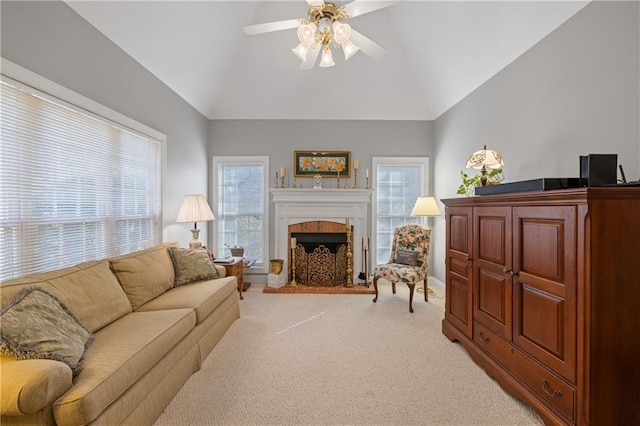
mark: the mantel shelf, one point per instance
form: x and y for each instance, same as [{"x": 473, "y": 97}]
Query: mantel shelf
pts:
[{"x": 323, "y": 195}]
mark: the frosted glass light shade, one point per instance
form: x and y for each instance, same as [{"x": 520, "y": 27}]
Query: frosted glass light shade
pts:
[
  {"x": 301, "y": 51},
  {"x": 349, "y": 49},
  {"x": 341, "y": 32},
  {"x": 307, "y": 33},
  {"x": 327, "y": 58},
  {"x": 425, "y": 206}
]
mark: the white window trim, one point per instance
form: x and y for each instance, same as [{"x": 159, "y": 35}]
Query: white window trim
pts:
[
  {"x": 386, "y": 161},
  {"x": 246, "y": 160},
  {"x": 60, "y": 94}
]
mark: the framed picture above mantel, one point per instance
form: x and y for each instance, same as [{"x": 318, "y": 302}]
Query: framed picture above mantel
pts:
[{"x": 323, "y": 163}]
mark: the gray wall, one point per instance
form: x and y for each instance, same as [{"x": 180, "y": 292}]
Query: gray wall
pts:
[
  {"x": 576, "y": 92},
  {"x": 278, "y": 139},
  {"x": 50, "y": 39}
]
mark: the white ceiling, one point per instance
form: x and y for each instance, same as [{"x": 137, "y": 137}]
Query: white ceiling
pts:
[{"x": 437, "y": 53}]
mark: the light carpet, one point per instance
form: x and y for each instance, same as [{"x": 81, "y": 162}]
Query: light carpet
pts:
[{"x": 316, "y": 359}]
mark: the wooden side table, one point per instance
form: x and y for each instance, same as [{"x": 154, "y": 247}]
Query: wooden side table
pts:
[{"x": 236, "y": 269}]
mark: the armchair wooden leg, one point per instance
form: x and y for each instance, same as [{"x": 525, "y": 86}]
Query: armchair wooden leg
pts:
[
  {"x": 375, "y": 287},
  {"x": 411, "y": 288},
  {"x": 393, "y": 287}
]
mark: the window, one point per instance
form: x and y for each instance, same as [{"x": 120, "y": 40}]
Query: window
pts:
[
  {"x": 240, "y": 188},
  {"x": 74, "y": 186},
  {"x": 399, "y": 181}
]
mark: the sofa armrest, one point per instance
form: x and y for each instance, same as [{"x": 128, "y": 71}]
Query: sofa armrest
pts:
[{"x": 28, "y": 386}]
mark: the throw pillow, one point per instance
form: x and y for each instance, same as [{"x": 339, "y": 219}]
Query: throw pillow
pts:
[
  {"x": 191, "y": 265},
  {"x": 36, "y": 325},
  {"x": 407, "y": 257}
]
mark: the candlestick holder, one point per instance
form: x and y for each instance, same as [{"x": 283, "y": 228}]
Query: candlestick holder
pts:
[
  {"x": 282, "y": 178},
  {"x": 338, "y": 182},
  {"x": 293, "y": 267},
  {"x": 355, "y": 178},
  {"x": 367, "y": 187},
  {"x": 277, "y": 180},
  {"x": 349, "y": 283}
]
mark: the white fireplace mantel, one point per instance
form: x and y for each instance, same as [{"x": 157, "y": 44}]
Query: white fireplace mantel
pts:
[{"x": 297, "y": 205}]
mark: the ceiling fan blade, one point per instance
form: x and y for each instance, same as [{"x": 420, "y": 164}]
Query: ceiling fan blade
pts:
[
  {"x": 271, "y": 26},
  {"x": 360, "y": 7},
  {"x": 312, "y": 57},
  {"x": 315, "y": 2},
  {"x": 367, "y": 45}
]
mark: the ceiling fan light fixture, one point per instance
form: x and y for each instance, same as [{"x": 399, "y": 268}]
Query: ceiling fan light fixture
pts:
[
  {"x": 349, "y": 49},
  {"x": 301, "y": 51},
  {"x": 327, "y": 58}
]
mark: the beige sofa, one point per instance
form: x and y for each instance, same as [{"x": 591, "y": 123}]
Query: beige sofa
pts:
[{"x": 149, "y": 337}]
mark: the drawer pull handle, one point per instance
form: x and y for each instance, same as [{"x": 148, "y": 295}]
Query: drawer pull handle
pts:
[
  {"x": 482, "y": 337},
  {"x": 545, "y": 388}
]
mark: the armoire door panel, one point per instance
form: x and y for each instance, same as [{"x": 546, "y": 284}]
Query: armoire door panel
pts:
[
  {"x": 492, "y": 236},
  {"x": 459, "y": 227},
  {"x": 458, "y": 297},
  {"x": 460, "y": 266},
  {"x": 458, "y": 304},
  {"x": 542, "y": 248},
  {"x": 492, "y": 302},
  {"x": 544, "y": 287},
  {"x": 542, "y": 321}
]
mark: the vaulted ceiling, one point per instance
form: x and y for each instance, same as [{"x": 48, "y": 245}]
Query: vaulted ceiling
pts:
[{"x": 437, "y": 52}]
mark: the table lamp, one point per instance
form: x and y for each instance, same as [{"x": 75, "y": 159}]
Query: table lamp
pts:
[
  {"x": 425, "y": 207},
  {"x": 482, "y": 159},
  {"x": 195, "y": 209}
]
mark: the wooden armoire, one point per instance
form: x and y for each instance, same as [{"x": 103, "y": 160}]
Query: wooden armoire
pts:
[{"x": 543, "y": 291}]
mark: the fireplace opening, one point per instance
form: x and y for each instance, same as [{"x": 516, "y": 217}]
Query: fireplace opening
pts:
[
  {"x": 312, "y": 240},
  {"x": 320, "y": 253}
]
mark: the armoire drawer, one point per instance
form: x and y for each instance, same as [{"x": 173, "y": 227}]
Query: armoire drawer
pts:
[{"x": 546, "y": 385}]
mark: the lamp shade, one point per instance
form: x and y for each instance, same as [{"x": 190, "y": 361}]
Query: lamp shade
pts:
[
  {"x": 195, "y": 209},
  {"x": 425, "y": 206},
  {"x": 485, "y": 158}
]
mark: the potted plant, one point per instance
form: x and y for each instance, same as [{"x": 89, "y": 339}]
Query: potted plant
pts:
[
  {"x": 469, "y": 183},
  {"x": 236, "y": 251}
]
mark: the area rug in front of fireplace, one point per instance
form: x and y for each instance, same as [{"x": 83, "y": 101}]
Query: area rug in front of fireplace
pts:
[{"x": 305, "y": 289}]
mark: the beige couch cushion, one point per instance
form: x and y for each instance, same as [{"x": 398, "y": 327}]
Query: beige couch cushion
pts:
[
  {"x": 145, "y": 274},
  {"x": 78, "y": 288},
  {"x": 120, "y": 355},
  {"x": 203, "y": 297},
  {"x": 191, "y": 266},
  {"x": 35, "y": 325}
]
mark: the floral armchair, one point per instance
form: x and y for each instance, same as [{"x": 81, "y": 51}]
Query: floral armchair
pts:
[{"x": 409, "y": 260}]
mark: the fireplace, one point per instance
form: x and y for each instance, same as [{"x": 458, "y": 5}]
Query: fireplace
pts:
[
  {"x": 321, "y": 253},
  {"x": 297, "y": 206}
]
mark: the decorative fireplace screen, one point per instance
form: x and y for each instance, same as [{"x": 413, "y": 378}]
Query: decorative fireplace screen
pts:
[{"x": 321, "y": 258}]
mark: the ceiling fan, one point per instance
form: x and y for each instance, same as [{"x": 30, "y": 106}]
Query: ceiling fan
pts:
[{"x": 324, "y": 28}]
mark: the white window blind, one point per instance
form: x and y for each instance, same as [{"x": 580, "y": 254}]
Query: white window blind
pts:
[
  {"x": 399, "y": 181},
  {"x": 74, "y": 186},
  {"x": 242, "y": 217}
]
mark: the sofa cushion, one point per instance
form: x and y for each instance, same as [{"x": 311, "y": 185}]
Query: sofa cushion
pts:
[
  {"x": 79, "y": 287},
  {"x": 35, "y": 325},
  {"x": 191, "y": 265},
  {"x": 144, "y": 274},
  {"x": 121, "y": 354},
  {"x": 203, "y": 297}
]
